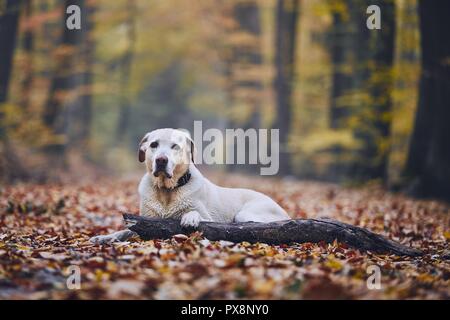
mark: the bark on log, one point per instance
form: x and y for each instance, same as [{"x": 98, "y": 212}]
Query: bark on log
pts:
[{"x": 280, "y": 232}]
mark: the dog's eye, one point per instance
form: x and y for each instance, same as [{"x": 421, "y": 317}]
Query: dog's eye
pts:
[
  {"x": 175, "y": 147},
  {"x": 154, "y": 145}
]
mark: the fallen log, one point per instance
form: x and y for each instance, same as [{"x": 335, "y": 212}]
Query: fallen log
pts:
[{"x": 280, "y": 232}]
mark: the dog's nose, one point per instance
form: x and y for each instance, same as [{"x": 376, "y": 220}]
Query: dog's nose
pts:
[{"x": 161, "y": 161}]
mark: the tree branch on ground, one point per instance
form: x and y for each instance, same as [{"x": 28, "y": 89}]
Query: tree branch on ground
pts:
[{"x": 275, "y": 233}]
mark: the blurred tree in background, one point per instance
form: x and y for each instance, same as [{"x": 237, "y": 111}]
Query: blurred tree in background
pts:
[
  {"x": 429, "y": 153},
  {"x": 10, "y": 166},
  {"x": 287, "y": 13},
  {"x": 344, "y": 97}
]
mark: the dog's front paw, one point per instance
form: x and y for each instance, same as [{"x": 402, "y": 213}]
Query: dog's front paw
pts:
[
  {"x": 103, "y": 239},
  {"x": 191, "y": 219}
]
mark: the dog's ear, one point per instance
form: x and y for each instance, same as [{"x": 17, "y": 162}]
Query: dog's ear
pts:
[
  {"x": 192, "y": 150},
  {"x": 191, "y": 143},
  {"x": 142, "y": 148}
]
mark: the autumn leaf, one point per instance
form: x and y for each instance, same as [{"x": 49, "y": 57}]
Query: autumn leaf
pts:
[{"x": 47, "y": 245}]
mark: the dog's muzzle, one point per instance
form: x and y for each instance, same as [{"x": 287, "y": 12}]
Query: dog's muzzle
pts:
[{"x": 161, "y": 167}]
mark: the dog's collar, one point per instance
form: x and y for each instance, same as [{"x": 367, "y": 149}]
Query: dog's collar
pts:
[{"x": 183, "y": 179}]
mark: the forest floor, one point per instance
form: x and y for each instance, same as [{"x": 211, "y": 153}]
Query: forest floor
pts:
[{"x": 44, "y": 229}]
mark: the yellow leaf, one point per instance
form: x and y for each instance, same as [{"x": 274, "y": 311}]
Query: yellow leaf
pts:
[
  {"x": 264, "y": 287},
  {"x": 333, "y": 264},
  {"x": 424, "y": 277},
  {"x": 447, "y": 235}
]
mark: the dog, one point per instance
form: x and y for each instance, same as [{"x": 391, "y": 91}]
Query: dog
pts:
[{"x": 174, "y": 188}]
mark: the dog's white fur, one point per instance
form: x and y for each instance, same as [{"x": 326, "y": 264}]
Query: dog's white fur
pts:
[{"x": 197, "y": 200}]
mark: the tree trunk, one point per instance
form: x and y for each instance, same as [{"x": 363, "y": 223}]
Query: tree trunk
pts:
[
  {"x": 375, "y": 57},
  {"x": 8, "y": 33},
  {"x": 250, "y": 60},
  {"x": 63, "y": 96},
  {"x": 381, "y": 88},
  {"x": 81, "y": 114},
  {"x": 10, "y": 167},
  {"x": 28, "y": 48},
  {"x": 341, "y": 44},
  {"x": 245, "y": 61},
  {"x": 280, "y": 232},
  {"x": 429, "y": 154},
  {"x": 125, "y": 67},
  {"x": 287, "y": 13}
]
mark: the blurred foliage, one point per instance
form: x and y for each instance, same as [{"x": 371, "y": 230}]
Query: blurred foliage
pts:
[{"x": 189, "y": 61}]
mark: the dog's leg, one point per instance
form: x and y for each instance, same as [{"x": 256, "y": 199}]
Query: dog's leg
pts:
[
  {"x": 113, "y": 237},
  {"x": 246, "y": 216},
  {"x": 261, "y": 212},
  {"x": 191, "y": 219}
]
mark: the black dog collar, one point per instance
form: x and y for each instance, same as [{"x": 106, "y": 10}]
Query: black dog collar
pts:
[{"x": 183, "y": 179}]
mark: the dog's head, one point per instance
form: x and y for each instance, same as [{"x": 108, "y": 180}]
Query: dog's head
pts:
[{"x": 167, "y": 154}]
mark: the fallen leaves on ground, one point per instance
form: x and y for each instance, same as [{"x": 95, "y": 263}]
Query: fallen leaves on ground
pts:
[{"x": 44, "y": 233}]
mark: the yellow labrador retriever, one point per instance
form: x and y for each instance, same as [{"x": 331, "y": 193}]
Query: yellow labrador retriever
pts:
[{"x": 173, "y": 187}]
